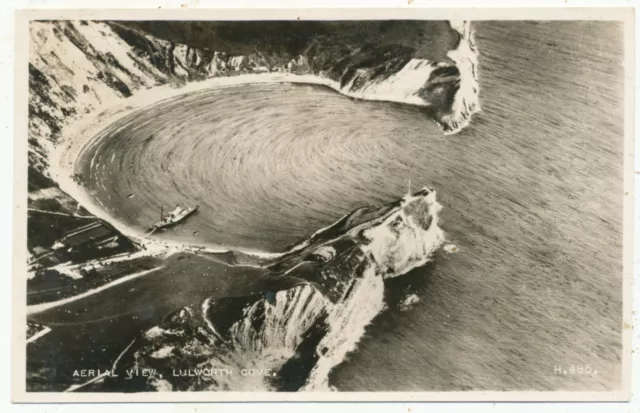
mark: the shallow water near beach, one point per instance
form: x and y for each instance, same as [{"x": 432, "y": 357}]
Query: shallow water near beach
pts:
[{"x": 531, "y": 194}]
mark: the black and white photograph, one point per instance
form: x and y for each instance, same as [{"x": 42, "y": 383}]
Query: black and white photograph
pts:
[{"x": 323, "y": 206}]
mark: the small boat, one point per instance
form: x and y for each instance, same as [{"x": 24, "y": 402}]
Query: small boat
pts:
[{"x": 173, "y": 217}]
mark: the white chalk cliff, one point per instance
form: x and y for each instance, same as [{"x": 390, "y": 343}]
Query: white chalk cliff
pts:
[{"x": 299, "y": 333}]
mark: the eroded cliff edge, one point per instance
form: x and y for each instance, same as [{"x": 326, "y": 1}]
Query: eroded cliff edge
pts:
[{"x": 302, "y": 323}]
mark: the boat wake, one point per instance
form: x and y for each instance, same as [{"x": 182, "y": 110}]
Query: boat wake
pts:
[{"x": 291, "y": 339}]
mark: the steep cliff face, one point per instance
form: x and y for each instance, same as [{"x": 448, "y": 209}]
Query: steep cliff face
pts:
[
  {"x": 299, "y": 334},
  {"x": 77, "y": 67},
  {"x": 426, "y": 63}
]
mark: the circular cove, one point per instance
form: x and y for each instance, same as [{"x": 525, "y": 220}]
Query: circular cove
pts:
[{"x": 267, "y": 164}]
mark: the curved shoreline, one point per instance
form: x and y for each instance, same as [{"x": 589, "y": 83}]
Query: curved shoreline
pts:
[{"x": 81, "y": 135}]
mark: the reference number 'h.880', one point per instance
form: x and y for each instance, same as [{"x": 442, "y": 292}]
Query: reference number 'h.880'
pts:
[{"x": 574, "y": 369}]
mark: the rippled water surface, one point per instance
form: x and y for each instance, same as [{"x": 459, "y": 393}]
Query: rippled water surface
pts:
[{"x": 531, "y": 195}]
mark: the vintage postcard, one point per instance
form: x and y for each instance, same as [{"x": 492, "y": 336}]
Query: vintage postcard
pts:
[{"x": 323, "y": 205}]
